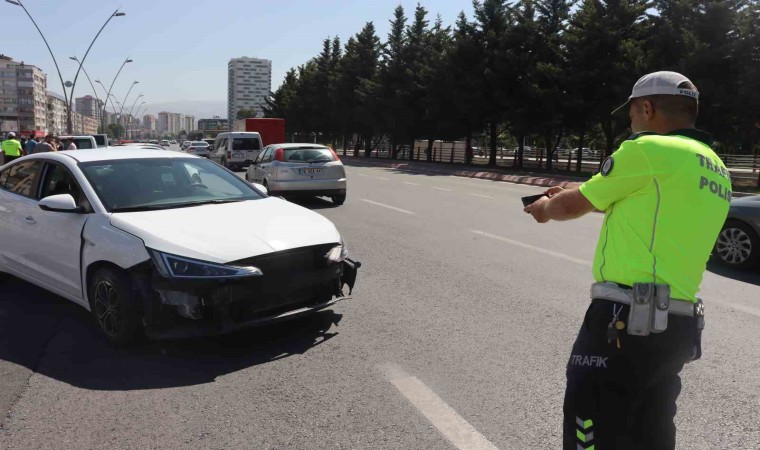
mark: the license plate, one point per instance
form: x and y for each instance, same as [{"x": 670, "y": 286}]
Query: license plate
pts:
[
  {"x": 237, "y": 155},
  {"x": 308, "y": 171}
]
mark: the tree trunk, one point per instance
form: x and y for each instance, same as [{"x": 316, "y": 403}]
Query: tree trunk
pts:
[
  {"x": 368, "y": 147},
  {"x": 548, "y": 141},
  {"x": 520, "y": 150},
  {"x": 429, "y": 151},
  {"x": 357, "y": 145},
  {"x": 468, "y": 153},
  {"x": 492, "y": 150},
  {"x": 579, "y": 156},
  {"x": 411, "y": 150}
]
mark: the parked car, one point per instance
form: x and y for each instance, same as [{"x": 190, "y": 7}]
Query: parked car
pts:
[
  {"x": 134, "y": 237},
  {"x": 165, "y": 143},
  {"x": 738, "y": 244},
  {"x": 300, "y": 169},
  {"x": 237, "y": 149},
  {"x": 198, "y": 148},
  {"x": 185, "y": 144}
]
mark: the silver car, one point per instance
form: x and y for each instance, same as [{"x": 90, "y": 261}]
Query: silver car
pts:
[
  {"x": 198, "y": 148},
  {"x": 300, "y": 170},
  {"x": 738, "y": 244}
]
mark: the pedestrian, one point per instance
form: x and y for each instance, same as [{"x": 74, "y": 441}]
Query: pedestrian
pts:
[
  {"x": 31, "y": 143},
  {"x": 57, "y": 143},
  {"x": 665, "y": 195},
  {"x": 11, "y": 148},
  {"x": 46, "y": 145},
  {"x": 70, "y": 145}
]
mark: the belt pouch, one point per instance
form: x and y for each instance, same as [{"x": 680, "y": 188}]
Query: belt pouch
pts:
[
  {"x": 642, "y": 304},
  {"x": 660, "y": 310}
]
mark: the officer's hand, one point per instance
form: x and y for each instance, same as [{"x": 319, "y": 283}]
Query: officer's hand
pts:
[
  {"x": 552, "y": 191},
  {"x": 538, "y": 210}
]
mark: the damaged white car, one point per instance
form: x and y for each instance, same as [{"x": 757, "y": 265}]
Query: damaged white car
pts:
[{"x": 165, "y": 244}]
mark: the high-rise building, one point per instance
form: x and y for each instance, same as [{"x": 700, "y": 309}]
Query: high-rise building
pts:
[
  {"x": 56, "y": 113},
  {"x": 89, "y": 106},
  {"x": 23, "y": 101},
  {"x": 249, "y": 83},
  {"x": 168, "y": 123},
  {"x": 188, "y": 123},
  {"x": 149, "y": 122}
]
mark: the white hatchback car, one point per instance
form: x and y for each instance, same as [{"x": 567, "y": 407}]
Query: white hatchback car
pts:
[{"x": 133, "y": 235}]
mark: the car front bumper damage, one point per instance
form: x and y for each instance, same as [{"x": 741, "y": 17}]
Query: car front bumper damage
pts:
[{"x": 289, "y": 288}]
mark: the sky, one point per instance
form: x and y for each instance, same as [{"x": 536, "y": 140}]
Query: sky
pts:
[{"x": 180, "y": 48}]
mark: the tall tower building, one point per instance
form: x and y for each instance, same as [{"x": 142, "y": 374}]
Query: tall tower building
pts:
[{"x": 249, "y": 82}]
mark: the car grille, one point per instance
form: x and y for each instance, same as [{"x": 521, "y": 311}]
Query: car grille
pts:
[{"x": 292, "y": 278}]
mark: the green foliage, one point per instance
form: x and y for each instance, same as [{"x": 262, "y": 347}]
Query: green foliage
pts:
[
  {"x": 245, "y": 113},
  {"x": 540, "y": 70}
]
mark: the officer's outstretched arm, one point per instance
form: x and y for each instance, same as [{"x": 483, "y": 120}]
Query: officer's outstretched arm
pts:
[{"x": 566, "y": 205}]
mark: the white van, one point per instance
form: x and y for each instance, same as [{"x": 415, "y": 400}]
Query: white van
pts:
[{"x": 236, "y": 150}]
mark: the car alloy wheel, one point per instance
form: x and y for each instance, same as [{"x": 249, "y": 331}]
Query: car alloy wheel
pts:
[
  {"x": 737, "y": 245},
  {"x": 107, "y": 308}
]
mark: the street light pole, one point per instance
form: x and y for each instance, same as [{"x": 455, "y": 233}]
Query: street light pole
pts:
[
  {"x": 63, "y": 85},
  {"x": 108, "y": 94},
  {"x": 132, "y": 109},
  {"x": 81, "y": 63},
  {"x": 95, "y": 91}
]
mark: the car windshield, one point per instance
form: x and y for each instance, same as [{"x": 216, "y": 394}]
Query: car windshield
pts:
[
  {"x": 245, "y": 144},
  {"x": 305, "y": 155},
  {"x": 163, "y": 183}
]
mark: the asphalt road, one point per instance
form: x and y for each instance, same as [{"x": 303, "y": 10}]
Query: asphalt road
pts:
[{"x": 457, "y": 337}]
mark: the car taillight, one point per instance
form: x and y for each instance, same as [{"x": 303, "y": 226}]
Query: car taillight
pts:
[
  {"x": 229, "y": 155},
  {"x": 337, "y": 158},
  {"x": 279, "y": 155}
]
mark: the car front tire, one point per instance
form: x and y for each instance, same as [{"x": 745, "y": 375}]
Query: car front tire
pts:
[
  {"x": 113, "y": 305},
  {"x": 738, "y": 245}
]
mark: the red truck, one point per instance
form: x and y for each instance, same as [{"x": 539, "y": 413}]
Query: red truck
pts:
[{"x": 272, "y": 131}]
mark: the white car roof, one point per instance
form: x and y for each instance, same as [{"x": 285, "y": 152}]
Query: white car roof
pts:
[
  {"x": 115, "y": 153},
  {"x": 296, "y": 145}
]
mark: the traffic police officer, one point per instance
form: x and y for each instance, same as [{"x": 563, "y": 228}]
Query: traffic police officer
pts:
[
  {"x": 11, "y": 148},
  {"x": 665, "y": 195}
]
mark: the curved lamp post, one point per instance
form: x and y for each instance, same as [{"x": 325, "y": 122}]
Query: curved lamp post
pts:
[
  {"x": 94, "y": 91},
  {"x": 108, "y": 93},
  {"x": 70, "y": 98}
]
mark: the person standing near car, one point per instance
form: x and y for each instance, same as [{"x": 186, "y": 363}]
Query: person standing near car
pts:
[
  {"x": 70, "y": 145},
  {"x": 665, "y": 195},
  {"x": 11, "y": 148},
  {"x": 46, "y": 145},
  {"x": 31, "y": 143}
]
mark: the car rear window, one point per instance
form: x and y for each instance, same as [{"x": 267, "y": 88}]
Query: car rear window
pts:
[
  {"x": 305, "y": 155},
  {"x": 245, "y": 144}
]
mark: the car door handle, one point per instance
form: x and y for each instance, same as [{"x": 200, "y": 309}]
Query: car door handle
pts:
[{"x": 30, "y": 220}]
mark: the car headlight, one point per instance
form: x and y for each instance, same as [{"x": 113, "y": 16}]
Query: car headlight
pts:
[
  {"x": 339, "y": 253},
  {"x": 172, "y": 266}
]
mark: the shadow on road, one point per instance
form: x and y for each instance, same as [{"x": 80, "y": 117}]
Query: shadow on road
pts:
[
  {"x": 745, "y": 275},
  {"x": 58, "y": 339},
  {"x": 313, "y": 203}
]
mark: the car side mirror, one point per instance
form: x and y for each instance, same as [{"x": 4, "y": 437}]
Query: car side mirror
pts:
[
  {"x": 60, "y": 203},
  {"x": 260, "y": 187}
]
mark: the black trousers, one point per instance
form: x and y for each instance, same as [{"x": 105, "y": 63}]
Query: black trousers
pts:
[
  {"x": 625, "y": 398},
  {"x": 8, "y": 159}
]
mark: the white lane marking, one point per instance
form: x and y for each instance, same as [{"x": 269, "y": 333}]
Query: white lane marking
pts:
[
  {"x": 389, "y": 207},
  {"x": 442, "y": 189},
  {"x": 742, "y": 308},
  {"x": 481, "y": 195},
  {"x": 573, "y": 259},
  {"x": 362, "y": 174},
  {"x": 447, "y": 421},
  {"x": 384, "y": 179},
  {"x": 410, "y": 183}
]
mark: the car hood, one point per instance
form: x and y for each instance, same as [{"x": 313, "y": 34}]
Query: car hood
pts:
[
  {"x": 230, "y": 231},
  {"x": 751, "y": 200}
]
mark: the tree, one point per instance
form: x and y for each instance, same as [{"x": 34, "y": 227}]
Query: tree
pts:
[
  {"x": 115, "y": 130},
  {"x": 245, "y": 113}
]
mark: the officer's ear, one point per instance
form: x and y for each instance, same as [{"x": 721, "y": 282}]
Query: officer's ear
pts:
[{"x": 647, "y": 107}]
